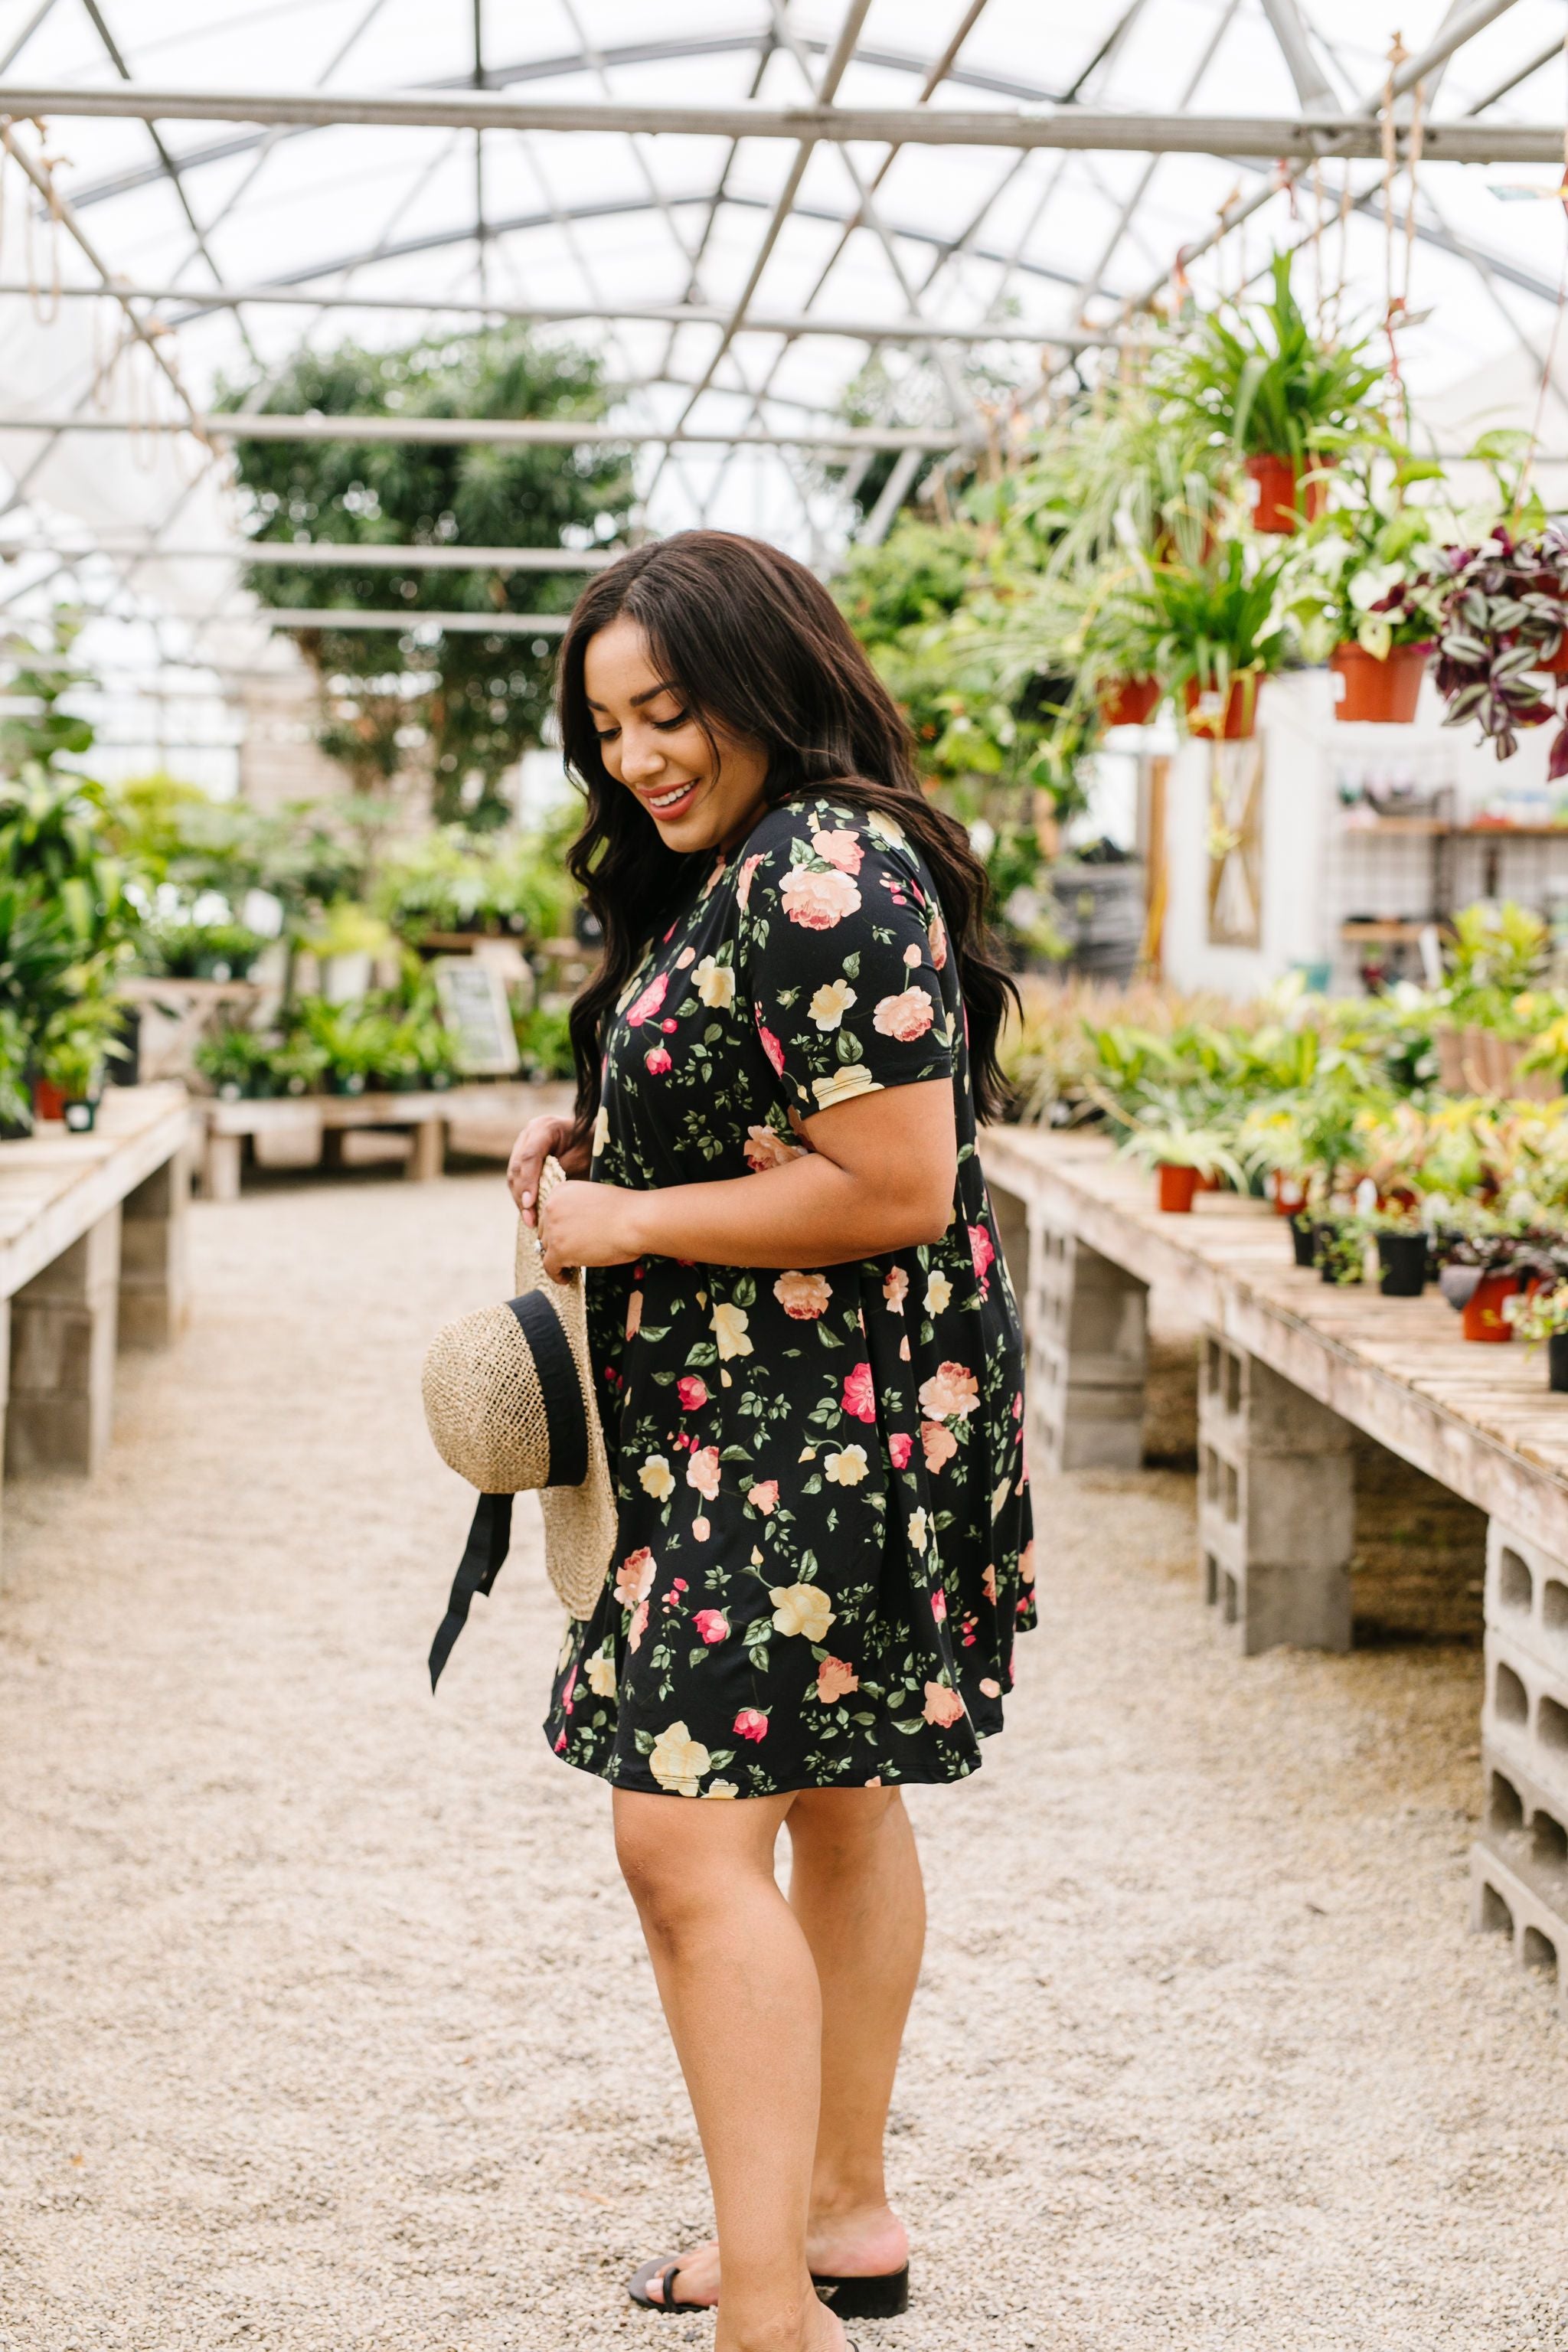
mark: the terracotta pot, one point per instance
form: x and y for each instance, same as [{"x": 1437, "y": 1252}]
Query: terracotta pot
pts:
[
  {"x": 1382, "y": 692},
  {"x": 1131, "y": 702},
  {"x": 1287, "y": 1193},
  {"x": 1279, "y": 504},
  {"x": 1233, "y": 723},
  {"x": 1178, "y": 1188},
  {"x": 48, "y": 1100},
  {"x": 1558, "y": 666},
  {"x": 1482, "y": 1317}
]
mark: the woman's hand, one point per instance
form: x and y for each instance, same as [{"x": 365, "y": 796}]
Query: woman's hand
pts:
[
  {"x": 539, "y": 1140},
  {"x": 591, "y": 1224}
]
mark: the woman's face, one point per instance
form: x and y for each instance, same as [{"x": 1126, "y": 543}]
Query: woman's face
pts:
[{"x": 651, "y": 743}]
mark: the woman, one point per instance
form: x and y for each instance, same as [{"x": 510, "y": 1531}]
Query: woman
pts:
[{"x": 810, "y": 1380}]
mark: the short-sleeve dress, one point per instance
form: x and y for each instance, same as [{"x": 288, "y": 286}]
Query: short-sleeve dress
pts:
[{"x": 824, "y": 1546}]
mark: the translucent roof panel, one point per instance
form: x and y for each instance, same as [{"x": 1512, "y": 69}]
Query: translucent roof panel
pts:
[{"x": 377, "y": 231}]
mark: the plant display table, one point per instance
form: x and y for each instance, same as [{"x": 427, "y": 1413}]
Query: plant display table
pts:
[
  {"x": 316, "y": 1122},
  {"x": 92, "y": 1259},
  {"x": 1291, "y": 1367}
]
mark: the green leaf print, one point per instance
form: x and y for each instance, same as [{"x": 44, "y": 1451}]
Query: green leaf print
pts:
[
  {"x": 702, "y": 1351},
  {"x": 848, "y": 1046},
  {"x": 852, "y": 964}
]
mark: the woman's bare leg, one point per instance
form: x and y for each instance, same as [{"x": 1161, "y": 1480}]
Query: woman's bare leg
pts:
[
  {"x": 740, "y": 1992},
  {"x": 855, "y": 1888}
]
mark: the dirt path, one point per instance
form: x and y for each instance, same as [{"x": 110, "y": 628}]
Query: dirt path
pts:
[{"x": 324, "y": 2024}]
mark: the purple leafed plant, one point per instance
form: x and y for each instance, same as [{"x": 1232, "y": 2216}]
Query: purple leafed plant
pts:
[{"x": 1504, "y": 611}]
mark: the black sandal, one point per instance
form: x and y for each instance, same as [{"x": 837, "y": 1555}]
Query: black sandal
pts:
[{"x": 883, "y": 2296}]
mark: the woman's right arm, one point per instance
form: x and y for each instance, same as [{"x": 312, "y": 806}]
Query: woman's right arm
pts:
[{"x": 540, "y": 1139}]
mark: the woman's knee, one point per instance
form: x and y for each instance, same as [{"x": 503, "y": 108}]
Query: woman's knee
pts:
[
  {"x": 839, "y": 1828},
  {"x": 680, "y": 1867}
]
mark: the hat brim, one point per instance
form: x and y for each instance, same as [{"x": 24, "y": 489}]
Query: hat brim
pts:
[{"x": 581, "y": 1523}]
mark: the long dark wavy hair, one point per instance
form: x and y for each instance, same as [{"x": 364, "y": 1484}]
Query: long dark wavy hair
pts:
[{"x": 756, "y": 647}]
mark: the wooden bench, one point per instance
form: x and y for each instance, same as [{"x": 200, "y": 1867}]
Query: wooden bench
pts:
[
  {"x": 92, "y": 1259},
  {"x": 1291, "y": 1367},
  {"x": 485, "y": 1117}
]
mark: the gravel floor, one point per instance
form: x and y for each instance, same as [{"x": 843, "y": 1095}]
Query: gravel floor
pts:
[{"x": 324, "y": 2021}]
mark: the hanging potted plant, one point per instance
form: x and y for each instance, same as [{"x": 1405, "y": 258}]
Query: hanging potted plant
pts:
[
  {"x": 1217, "y": 633},
  {"x": 1115, "y": 651},
  {"x": 1287, "y": 400},
  {"x": 1362, "y": 593},
  {"x": 1504, "y": 609}
]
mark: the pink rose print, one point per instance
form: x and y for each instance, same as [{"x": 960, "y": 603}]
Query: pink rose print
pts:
[
  {"x": 648, "y": 1003},
  {"x": 686, "y": 956},
  {"x": 990, "y": 1685},
  {"x": 692, "y": 1392},
  {"x": 702, "y": 1471},
  {"x": 952, "y": 1388},
  {"x": 771, "y": 1045},
  {"x": 938, "y": 1607},
  {"x": 840, "y": 849},
  {"x": 1027, "y": 1562},
  {"x": 988, "y": 1585},
  {"x": 712, "y": 1625},
  {"x": 701, "y": 1530},
  {"x": 895, "y": 1289},
  {"x": 751, "y": 1724},
  {"x": 983, "y": 1253},
  {"x": 835, "y": 1680},
  {"x": 819, "y": 901},
  {"x": 634, "y": 1315},
  {"x": 566, "y": 1698},
  {"x": 899, "y": 1447},
  {"x": 763, "y": 1496},
  {"x": 938, "y": 944},
  {"x": 939, "y": 1444},
  {"x": 766, "y": 1147},
  {"x": 633, "y": 1578},
  {"x": 743, "y": 887},
  {"x": 658, "y": 1062},
  {"x": 638, "y": 1627},
  {"x": 860, "y": 1395},
  {"x": 905, "y": 1017},
  {"x": 943, "y": 1705},
  {"x": 803, "y": 1297}
]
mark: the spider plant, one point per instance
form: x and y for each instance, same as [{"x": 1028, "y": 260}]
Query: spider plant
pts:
[
  {"x": 1213, "y": 624},
  {"x": 1271, "y": 386}
]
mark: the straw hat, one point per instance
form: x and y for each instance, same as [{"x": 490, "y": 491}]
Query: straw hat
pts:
[{"x": 509, "y": 1399}]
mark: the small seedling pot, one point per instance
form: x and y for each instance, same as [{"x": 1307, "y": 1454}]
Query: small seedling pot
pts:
[
  {"x": 1303, "y": 1239},
  {"x": 1403, "y": 1257},
  {"x": 1177, "y": 1188}
]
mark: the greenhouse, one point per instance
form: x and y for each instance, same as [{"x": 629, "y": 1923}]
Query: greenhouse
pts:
[{"x": 907, "y": 668}]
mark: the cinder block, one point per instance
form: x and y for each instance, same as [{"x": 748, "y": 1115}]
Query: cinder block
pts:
[
  {"x": 1527, "y": 1597},
  {"x": 1505, "y": 1903},
  {"x": 62, "y": 1344},
  {"x": 1275, "y": 1505},
  {"x": 1524, "y": 1721},
  {"x": 1087, "y": 1326}
]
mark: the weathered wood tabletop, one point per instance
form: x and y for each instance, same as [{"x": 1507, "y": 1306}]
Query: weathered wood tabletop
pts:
[
  {"x": 1477, "y": 1416},
  {"x": 54, "y": 1186}
]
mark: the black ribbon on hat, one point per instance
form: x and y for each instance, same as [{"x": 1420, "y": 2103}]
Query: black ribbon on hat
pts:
[{"x": 566, "y": 1429}]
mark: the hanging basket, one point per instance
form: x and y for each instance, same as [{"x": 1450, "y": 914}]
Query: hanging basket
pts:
[
  {"x": 1280, "y": 501},
  {"x": 1379, "y": 693},
  {"x": 1130, "y": 702},
  {"x": 1230, "y": 719}
]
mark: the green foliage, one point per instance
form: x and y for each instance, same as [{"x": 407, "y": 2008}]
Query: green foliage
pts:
[
  {"x": 1207, "y": 626},
  {"x": 544, "y": 1042},
  {"x": 470, "y": 704},
  {"x": 180, "y": 950},
  {"x": 1264, "y": 382}
]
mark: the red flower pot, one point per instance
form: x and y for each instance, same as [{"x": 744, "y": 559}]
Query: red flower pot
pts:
[
  {"x": 1230, "y": 722},
  {"x": 1289, "y": 1195},
  {"x": 1558, "y": 666},
  {"x": 1483, "y": 1315},
  {"x": 1178, "y": 1188},
  {"x": 1131, "y": 702},
  {"x": 1280, "y": 501},
  {"x": 1382, "y": 692},
  {"x": 48, "y": 1100}
]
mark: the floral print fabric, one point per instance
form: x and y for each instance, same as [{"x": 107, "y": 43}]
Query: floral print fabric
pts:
[{"x": 825, "y": 1541}]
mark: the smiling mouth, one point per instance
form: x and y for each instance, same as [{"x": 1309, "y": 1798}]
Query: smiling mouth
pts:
[{"x": 666, "y": 803}]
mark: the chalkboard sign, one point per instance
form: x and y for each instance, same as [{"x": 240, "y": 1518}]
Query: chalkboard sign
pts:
[{"x": 475, "y": 1009}]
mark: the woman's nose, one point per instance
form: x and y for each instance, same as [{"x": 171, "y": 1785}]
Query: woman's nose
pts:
[{"x": 641, "y": 757}]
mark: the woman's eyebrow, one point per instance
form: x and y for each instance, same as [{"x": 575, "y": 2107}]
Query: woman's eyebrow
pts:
[{"x": 638, "y": 700}]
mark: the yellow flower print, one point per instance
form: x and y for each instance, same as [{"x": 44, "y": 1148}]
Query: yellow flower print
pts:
[
  {"x": 720, "y": 1789},
  {"x": 843, "y": 1086},
  {"x": 656, "y": 1479},
  {"x": 714, "y": 983},
  {"x": 919, "y": 1529},
  {"x": 846, "y": 1469},
  {"x": 678, "y": 1761},
  {"x": 601, "y": 1129},
  {"x": 938, "y": 1291},
  {"x": 730, "y": 1331},
  {"x": 831, "y": 1003},
  {"x": 601, "y": 1674},
  {"x": 802, "y": 1608}
]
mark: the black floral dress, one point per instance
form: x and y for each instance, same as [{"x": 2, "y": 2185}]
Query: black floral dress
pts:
[{"x": 825, "y": 1537}]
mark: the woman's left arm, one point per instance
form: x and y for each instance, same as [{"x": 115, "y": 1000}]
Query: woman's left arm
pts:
[{"x": 879, "y": 1176}]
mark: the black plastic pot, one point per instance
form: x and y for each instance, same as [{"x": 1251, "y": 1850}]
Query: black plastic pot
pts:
[
  {"x": 1403, "y": 1257},
  {"x": 80, "y": 1114},
  {"x": 1302, "y": 1239},
  {"x": 1557, "y": 1362}
]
